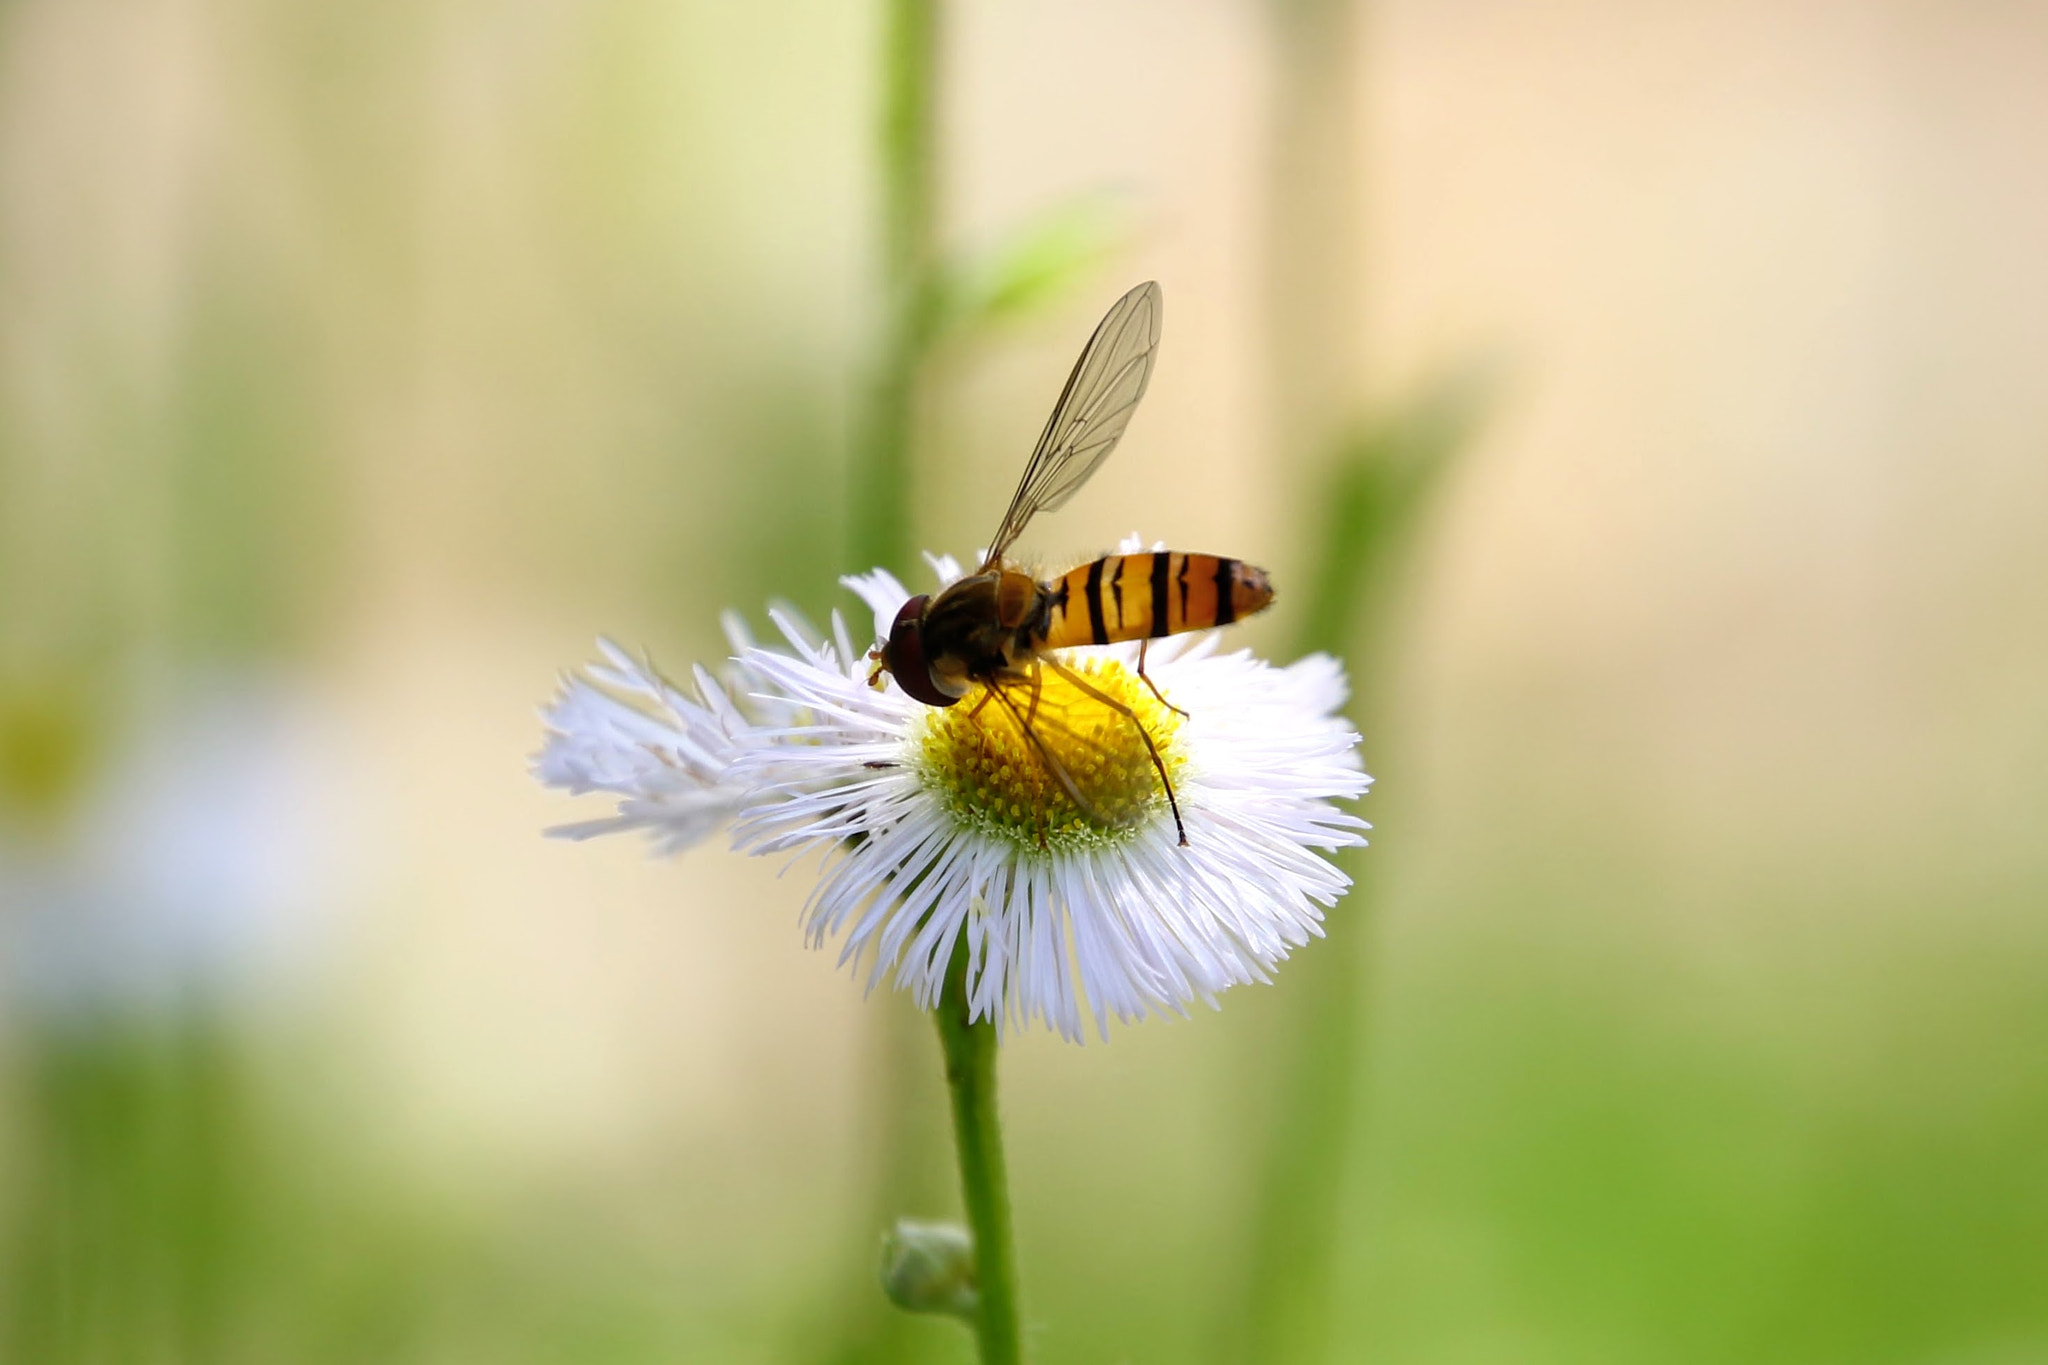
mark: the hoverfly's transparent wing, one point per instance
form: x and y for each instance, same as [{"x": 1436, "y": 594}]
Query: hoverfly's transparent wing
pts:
[{"x": 1094, "y": 408}]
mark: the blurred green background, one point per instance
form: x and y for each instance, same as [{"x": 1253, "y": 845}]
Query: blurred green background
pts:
[{"x": 358, "y": 364}]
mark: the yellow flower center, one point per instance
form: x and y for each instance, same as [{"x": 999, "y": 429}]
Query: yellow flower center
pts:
[{"x": 1012, "y": 763}]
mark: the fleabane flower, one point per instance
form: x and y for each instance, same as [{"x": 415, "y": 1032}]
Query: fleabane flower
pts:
[{"x": 938, "y": 827}]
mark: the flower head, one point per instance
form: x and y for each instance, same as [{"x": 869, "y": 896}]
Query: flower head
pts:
[{"x": 1030, "y": 825}]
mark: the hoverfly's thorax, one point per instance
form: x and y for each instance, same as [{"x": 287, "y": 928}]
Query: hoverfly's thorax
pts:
[
  {"x": 1019, "y": 599},
  {"x": 965, "y": 640}
]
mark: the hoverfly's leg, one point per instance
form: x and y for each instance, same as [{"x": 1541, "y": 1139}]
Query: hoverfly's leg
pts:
[
  {"x": 1158, "y": 763},
  {"x": 1155, "y": 686},
  {"x": 980, "y": 735},
  {"x": 1031, "y": 714},
  {"x": 1037, "y": 692},
  {"x": 1052, "y": 763}
]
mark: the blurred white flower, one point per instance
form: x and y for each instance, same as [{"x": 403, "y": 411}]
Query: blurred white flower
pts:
[
  {"x": 933, "y": 824},
  {"x": 204, "y": 861}
]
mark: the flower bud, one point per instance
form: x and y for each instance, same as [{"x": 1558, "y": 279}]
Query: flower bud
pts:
[{"x": 929, "y": 1268}]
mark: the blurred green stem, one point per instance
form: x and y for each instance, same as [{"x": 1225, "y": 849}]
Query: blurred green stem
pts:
[
  {"x": 1311, "y": 272},
  {"x": 1373, "y": 495},
  {"x": 901, "y": 1138},
  {"x": 1292, "y": 1276},
  {"x": 880, "y": 478},
  {"x": 1376, "y": 483},
  {"x": 970, "y": 1050}
]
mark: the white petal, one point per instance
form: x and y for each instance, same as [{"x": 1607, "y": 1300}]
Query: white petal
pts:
[{"x": 621, "y": 729}]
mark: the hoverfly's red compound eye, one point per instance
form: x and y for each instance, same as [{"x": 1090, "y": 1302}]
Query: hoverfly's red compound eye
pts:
[{"x": 904, "y": 657}]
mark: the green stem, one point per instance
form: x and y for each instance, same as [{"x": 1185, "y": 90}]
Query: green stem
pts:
[{"x": 970, "y": 1049}]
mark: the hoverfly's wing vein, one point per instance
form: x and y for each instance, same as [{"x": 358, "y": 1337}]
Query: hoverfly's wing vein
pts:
[{"x": 1094, "y": 408}]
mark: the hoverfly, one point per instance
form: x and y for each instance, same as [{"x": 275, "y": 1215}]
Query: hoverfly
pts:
[{"x": 996, "y": 627}]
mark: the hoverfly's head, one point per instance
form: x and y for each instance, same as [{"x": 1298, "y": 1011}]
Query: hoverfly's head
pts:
[{"x": 903, "y": 657}]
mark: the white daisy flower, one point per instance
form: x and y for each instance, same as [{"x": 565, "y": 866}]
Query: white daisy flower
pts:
[{"x": 937, "y": 823}]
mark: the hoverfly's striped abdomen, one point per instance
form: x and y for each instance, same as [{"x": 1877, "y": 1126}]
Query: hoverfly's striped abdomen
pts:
[{"x": 1135, "y": 597}]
